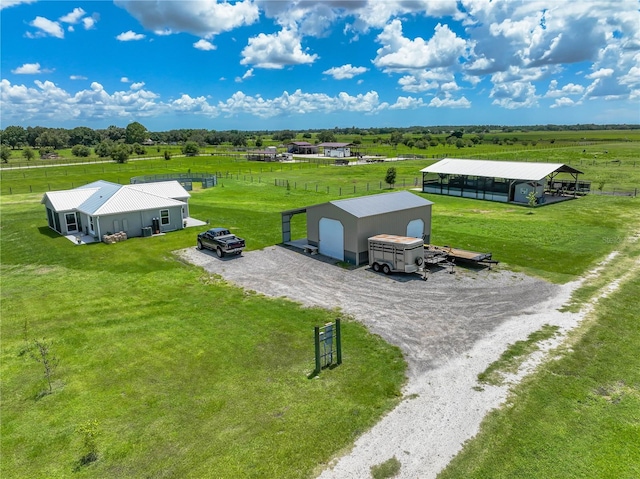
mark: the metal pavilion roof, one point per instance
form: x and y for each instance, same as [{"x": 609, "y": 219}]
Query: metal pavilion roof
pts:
[
  {"x": 512, "y": 170},
  {"x": 364, "y": 206}
]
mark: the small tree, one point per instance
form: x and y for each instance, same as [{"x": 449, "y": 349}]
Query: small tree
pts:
[
  {"x": 89, "y": 432},
  {"x": 390, "y": 178},
  {"x": 28, "y": 153},
  {"x": 532, "y": 199},
  {"x": 190, "y": 148},
  {"x": 104, "y": 148},
  {"x": 167, "y": 155},
  {"x": 42, "y": 353},
  {"x": 120, "y": 153},
  {"x": 5, "y": 153},
  {"x": 80, "y": 151},
  {"x": 138, "y": 149}
]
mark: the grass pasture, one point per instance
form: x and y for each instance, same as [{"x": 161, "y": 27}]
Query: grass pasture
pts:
[{"x": 188, "y": 376}]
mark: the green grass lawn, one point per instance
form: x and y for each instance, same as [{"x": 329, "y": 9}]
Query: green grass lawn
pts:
[
  {"x": 189, "y": 376},
  {"x": 578, "y": 416},
  {"x": 186, "y": 375}
]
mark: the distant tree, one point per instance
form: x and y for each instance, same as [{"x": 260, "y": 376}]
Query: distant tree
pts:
[
  {"x": 45, "y": 150},
  {"x": 390, "y": 178},
  {"x": 395, "y": 138},
  {"x": 28, "y": 153},
  {"x": 258, "y": 142},
  {"x": 54, "y": 137},
  {"x": 284, "y": 135},
  {"x": 306, "y": 135},
  {"x": 421, "y": 144},
  {"x": 82, "y": 135},
  {"x": 32, "y": 135},
  {"x": 190, "y": 148},
  {"x": 239, "y": 140},
  {"x": 167, "y": 155},
  {"x": 104, "y": 148},
  {"x": 433, "y": 142},
  {"x": 113, "y": 133},
  {"x": 326, "y": 136},
  {"x": 138, "y": 149},
  {"x": 357, "y": 141},
  {"x": 135, "y": 133},
  {"x": 14, "y": 136},
  {"x": 81, "y": 151},
  {"x": 5, "y": 153},
  {"x": 120, "y": 153},
  {"x": 459, "y": 143}
]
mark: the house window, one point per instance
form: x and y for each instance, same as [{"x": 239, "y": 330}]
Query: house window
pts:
[
  {"x": 164, "y": 217},
  {"x": 72, "y": 222}
]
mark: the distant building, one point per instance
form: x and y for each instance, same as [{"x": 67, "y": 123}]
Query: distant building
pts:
[
  {"x": 302, "y": 148},
  {"x": 336, "y": 150}
]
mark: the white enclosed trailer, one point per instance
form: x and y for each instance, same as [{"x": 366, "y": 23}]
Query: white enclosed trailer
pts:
[{"x": 392, "y": 253}]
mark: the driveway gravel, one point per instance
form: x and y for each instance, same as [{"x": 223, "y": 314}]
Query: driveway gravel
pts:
[{"x": 449, "y": 327}]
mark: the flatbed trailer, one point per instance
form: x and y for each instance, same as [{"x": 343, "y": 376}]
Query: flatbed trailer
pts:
[{"x": 453, "y": 254}]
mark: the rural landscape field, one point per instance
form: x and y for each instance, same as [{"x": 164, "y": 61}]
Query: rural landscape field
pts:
[{"x": 158, "y": 368}]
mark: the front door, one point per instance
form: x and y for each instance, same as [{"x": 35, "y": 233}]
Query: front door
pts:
[{"x": 72, "y": 222}]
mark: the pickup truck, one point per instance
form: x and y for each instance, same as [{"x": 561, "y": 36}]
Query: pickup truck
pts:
[{"x": 220, "y": 240}]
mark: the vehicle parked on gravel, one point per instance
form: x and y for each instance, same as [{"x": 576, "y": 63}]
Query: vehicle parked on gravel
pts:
[
  {"x": 220, "y": 240},
  {"x": 392, "y": 253}
]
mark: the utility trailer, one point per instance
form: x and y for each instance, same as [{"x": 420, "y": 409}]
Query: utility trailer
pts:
[
  {"x": 392, "y": 253},
  {"x": 453, "y": 254}
]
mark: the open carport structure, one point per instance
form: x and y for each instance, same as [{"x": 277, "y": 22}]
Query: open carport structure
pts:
[
  {"x": 340, "y": 229},
  {"x": 504, "y": 181}
]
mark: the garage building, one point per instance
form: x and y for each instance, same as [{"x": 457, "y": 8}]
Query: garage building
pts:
[{"x": 340, "y": 229}]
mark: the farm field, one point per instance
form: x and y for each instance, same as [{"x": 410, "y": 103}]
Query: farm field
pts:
[{"x": 186, "y": 374}]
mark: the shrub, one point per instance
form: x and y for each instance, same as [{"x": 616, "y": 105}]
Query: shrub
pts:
[{"x": 80, "y": 151}]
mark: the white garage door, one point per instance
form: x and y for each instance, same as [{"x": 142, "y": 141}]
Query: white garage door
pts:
[
  {"x": 331, "y": 238},
  {"x": 415, "y": 228}
]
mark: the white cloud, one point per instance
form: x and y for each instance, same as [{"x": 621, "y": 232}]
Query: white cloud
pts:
[
  {"x": 13, "y": 3},
  {"x": 137, "y": 85},
  {"x": 345, "y": 71},
  {"x": 46, "y": 27},
  {"x": 601, "y": 73},
  {"x": 568, "y": 89},
  {"x": 514, "y": 95},
  {"x": 74, "y": 16},
  {"x": 400, "y": 53},
  {"x": 247, "y": 74},
  {"x": 130, "y": 36},
  {"x": 406, "y": 103},
  {"x": 449, "y": 102},
  {"x": 275, "y": 51},
  {"x": 204, "y": 45},
  {"x": 125, "y": 80},
  {"x": 563, "y": 102},
  {"x": 78, "y": 77},
  {"x": 89, "y": 22},
  {"x": 198, "y": 17},
  {"x": 28, "y": 69},
  {"x": 426, "y": 80}
]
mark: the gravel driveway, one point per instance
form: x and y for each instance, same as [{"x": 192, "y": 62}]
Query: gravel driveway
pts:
[
  {"x": 432, "y": 321},
  {"x": 450, "y": 328}
]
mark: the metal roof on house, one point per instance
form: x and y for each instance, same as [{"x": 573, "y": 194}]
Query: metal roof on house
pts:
[
  {"x": 68, "y": 200},
  {"x": 104, "y": 198},
  {"x": 300, "y": 143},
  {"x": 364, "y": 206},
  {"x": 168, "y": 189},
  {"x": 512, "y": 170},
  {"x": 127, "y": 199}
]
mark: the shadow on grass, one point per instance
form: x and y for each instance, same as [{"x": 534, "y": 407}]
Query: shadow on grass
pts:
[{"x": 46, "y": 231}]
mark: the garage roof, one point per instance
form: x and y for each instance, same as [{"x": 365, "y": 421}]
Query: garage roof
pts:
[
  {"x": 364, "y": 206},
  {"x": 513, "y": 170}
]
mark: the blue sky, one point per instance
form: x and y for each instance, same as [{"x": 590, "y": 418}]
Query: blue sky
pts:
[{"x": 305, "y": 64}]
